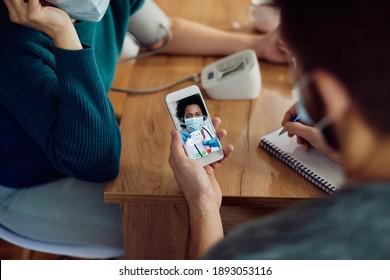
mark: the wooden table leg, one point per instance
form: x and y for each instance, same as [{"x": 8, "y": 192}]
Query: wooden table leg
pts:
[
  {"x": 155, "y": 231},
  {"x": 233, "y": 216}
]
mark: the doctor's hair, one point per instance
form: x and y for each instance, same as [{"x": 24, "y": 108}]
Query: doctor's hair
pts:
[
  {"x": 191, "y": 100},
  {"x": 350, "y": 39}
]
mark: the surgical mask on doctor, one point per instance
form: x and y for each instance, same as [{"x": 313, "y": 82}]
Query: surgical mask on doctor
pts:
[
  {"x": 324, "y": 124},
  {"x": 85, "y": 10},
  {"x": 194, "y": 124}
]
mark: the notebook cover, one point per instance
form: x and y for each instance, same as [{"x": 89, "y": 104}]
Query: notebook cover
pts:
[{"x": 312, "y": 164}]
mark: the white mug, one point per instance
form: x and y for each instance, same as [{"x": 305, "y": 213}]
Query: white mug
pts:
[{"x": 263, "y": 14}]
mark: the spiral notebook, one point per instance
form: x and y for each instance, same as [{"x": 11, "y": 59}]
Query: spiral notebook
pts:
[{"x": 312, "y": 164}]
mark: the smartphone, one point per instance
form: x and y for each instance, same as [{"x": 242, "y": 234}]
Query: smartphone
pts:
[{"x": 192, "y": 119}]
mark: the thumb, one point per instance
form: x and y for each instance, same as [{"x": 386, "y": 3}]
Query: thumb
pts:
[{"x": 177, "y": 144}]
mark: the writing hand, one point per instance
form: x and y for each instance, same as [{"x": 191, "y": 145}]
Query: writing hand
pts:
[
  {"x": 289, "y": 116},
  {"x": 309, "y": 137}
]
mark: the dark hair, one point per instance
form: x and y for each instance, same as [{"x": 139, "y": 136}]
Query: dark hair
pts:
[
  {"x": 183, "y": 103},
  {"x": 351, "y": 40}
]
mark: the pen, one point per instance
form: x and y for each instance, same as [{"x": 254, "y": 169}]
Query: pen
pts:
[{"x": 294, "y": 120}]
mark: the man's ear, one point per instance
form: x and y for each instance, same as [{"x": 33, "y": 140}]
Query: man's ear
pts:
[{"x": 335, "y": 95}]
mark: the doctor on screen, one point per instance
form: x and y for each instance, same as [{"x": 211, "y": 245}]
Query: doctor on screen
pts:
[{"x": 198, "y": 135}]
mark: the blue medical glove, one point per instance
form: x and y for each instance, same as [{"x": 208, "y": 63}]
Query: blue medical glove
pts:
[
  {"x": 211, "y": 143},
  {"x": 184, "y": 135}
]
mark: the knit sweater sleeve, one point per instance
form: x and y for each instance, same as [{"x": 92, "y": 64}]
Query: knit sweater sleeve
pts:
[{"x": 66, "y": 110}]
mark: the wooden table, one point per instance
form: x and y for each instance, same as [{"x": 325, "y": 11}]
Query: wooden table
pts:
[{"x": 253, "y": 182}]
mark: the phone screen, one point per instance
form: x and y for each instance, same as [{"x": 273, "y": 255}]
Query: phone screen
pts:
[{"x": 195, "y": 126}]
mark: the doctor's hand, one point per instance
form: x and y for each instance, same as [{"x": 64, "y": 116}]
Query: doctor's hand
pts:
[
  {"x": 308, "y": 136},
  {"x": 39, "y": 15},
  {"x": 184, "y": 135},
  {"x": 211, "y": 143},
  {"x": 198, "y": 184}
]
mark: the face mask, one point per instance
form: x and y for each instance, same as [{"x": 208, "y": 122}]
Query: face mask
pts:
[
  {"x": 324, "y": 124},
  {"x": 194, "y": 124},
  {"x": 85, "y": 10}
]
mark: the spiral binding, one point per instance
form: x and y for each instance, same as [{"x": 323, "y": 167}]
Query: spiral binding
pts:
[{"x": 298, "y": 167}]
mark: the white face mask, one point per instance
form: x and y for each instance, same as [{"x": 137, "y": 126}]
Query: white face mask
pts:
[
  {"x": 194, "y": 124},
  {"x": 86, "y": 10}
]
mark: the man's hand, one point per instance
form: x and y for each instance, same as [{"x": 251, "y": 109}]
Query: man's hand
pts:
[
  {"x": 308, "y": 136},
  {"x": 197, "y": 183},
  {"x": 202, "y": 194}
]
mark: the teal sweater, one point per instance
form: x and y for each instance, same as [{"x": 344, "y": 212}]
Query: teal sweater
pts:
[{"x": 55, "y": 116}]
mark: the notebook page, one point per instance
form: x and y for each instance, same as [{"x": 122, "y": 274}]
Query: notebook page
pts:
[{"x": 314, "y": 160}]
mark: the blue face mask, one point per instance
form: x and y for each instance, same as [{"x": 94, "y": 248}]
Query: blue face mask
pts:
[
  {"x": 86, "y": 10},
  {"x": 194, "y": 124},
  {"x": 301, "y": 107}
]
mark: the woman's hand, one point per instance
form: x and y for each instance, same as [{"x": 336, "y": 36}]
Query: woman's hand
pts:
[
  {"x": 308, "y": 136},
  {"x": 53, "y": 21},
  {"x": 271, "y": 47},
  {"x": 197, "y": 183}
]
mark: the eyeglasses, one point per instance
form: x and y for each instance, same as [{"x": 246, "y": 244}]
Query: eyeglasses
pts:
[
  {"x": 302, "y": 111},
  {"x": 293, "y": 67}
]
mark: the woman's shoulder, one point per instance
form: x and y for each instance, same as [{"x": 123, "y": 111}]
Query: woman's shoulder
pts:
[
  {"x": 23, "y": 42},
  {"x": 24, "y": 51}
]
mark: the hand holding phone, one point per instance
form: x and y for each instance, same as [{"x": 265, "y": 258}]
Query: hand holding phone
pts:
[{"x": 191, "y": 117}]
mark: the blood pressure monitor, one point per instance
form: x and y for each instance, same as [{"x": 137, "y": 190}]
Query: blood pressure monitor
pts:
[{"x": 234, "y": 77}]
